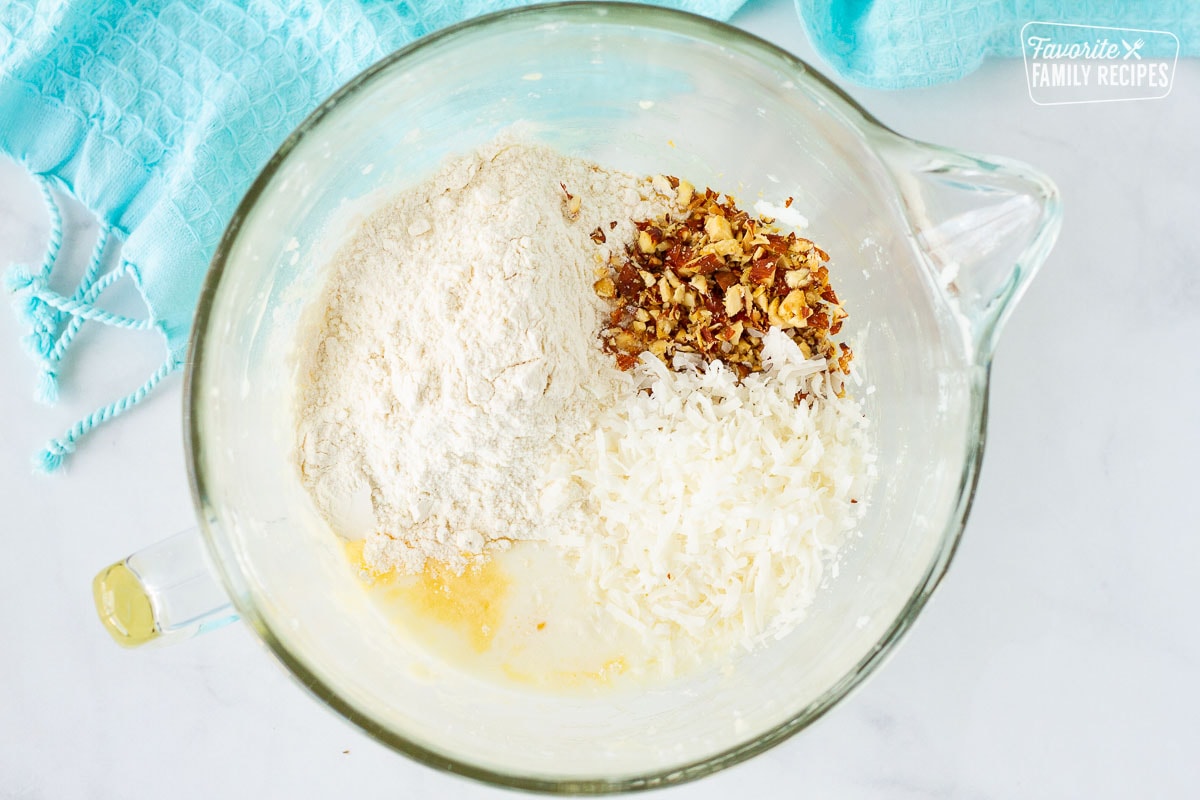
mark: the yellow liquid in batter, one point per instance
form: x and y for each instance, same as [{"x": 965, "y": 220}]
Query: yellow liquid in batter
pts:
[
  {"x": 520, "y": 616},
  {"x": 471, "y": 603}
]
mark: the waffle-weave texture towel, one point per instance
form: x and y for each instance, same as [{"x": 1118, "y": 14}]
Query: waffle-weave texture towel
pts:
[
  {"x": 157, "y": 115},
  {"x": 896, "y": 44}
]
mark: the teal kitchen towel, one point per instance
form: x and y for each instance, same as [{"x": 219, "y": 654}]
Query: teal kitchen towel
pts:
[
  {"x": 157, "y": 115},
  {"x": 896, "y": 44}
]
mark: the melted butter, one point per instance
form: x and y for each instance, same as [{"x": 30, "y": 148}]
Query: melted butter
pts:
[
  {"x": 470, "y": 603},
  {"x": 521, "y": 617}
]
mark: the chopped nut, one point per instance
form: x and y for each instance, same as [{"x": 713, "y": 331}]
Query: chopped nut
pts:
[
  {"x": 571, "y": 203},
  {"x": 731, "y": 333},
  {"x": 725, "y": 247},
  {"x": 725, "y": 279},
  {"x": 598, "y": 236},
  {"x": 795, "y": 278},
  {"x": 626, "y": 341},
  {"x": 773, "y": 314},
  {"x": 627, "y": 280},
  {"x": 733, "y": 300},
  {"x": 706, "y": 264},
  {"x": 762, "y": 272},
  {"x": 791, "y": 310},
  {"x": 717, "y": 228},
  {"x": 711, "y": 281},
  {"x": 625, "y": 361},
  {"x": 760, "y": 300},
  {"x": 684, "y": 194}
]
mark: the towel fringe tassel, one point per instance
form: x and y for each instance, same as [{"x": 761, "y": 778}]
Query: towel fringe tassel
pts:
[
  {"x": 45, "y": 311},
  {"x": 51, "y": 458}
]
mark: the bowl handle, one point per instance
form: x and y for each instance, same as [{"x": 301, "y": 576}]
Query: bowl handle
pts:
[
  {"x": 985, "y": 226},
  {"x": 163, "y": 593}
]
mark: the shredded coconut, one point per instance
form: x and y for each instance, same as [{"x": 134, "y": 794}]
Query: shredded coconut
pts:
[
  {"x": 721, "y": 501},
  {"x": 457, "y": 352}
]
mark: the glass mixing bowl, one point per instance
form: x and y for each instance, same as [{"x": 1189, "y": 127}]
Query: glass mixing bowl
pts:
[{"x": 930, "y": 249}]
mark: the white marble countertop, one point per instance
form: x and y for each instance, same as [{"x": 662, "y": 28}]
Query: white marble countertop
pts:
[{"x": 1059, "y": 658}]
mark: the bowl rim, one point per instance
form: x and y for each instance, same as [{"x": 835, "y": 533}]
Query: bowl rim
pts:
[{"x": 229, "y": 571}]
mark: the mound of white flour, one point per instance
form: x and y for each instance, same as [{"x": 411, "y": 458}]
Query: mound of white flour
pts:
[{"x": 457, "y": 354}]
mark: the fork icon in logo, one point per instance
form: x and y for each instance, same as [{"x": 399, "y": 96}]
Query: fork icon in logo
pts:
[{"x": 1132, "y": 49}]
